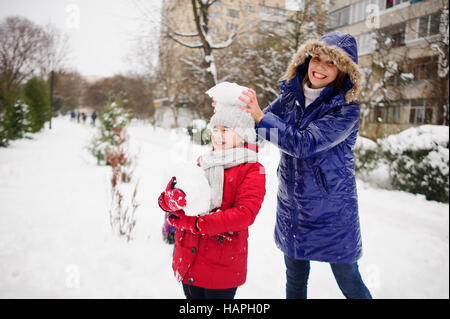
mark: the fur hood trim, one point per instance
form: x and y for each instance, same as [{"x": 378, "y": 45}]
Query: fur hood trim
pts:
[{"x": 336, "y": 54}]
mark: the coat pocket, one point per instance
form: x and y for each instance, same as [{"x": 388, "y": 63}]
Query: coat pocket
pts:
[{"x": 320, "y": 180}]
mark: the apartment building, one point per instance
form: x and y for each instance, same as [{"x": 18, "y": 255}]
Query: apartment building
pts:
[
  {"x": 410, "y": 27},
  {"x": 247, "y": 19}
]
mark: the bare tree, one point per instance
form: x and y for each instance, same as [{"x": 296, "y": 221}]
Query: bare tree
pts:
[
  {"x": 27, "y": 48},
  {"x": 21, "y": 42},
  {"x": 386, "y": 78},
  {"x": 54, "y": 50},
  {"x": 69, "y": 89},
  {"x": 309, "y": 21},
  {"x": 200, "y": 10}
]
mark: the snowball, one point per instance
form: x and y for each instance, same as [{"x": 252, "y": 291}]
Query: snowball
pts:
[
  {"x": 227, "y": 94},
  {"x": 192, "y": 181}
]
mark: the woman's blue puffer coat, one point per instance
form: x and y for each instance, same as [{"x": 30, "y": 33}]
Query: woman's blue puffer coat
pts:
[{"x": 317, "y": 206}]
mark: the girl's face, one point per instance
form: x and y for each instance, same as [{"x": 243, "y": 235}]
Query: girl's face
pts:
[
  {"x": 321, "y": 71},
  {"x": 224, "y": 138}
]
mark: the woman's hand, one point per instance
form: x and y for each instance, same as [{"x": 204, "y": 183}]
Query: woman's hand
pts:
[{"x": 252, "y": 106}]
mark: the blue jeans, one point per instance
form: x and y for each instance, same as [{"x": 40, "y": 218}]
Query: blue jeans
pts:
[{"x": 347, "y": 277}]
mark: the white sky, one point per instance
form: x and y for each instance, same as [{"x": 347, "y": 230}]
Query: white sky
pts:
[{"x": 102, "y": 33}]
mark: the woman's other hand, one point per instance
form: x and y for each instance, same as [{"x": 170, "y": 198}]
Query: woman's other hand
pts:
[{"x": 252, "y": 105}]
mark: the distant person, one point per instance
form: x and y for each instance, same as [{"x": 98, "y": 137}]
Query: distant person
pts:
[
  {"x": 83, "y": 116},
  {"x": 93, "y": 117},
  {"x": 72, "y": 115},
  {"x": 78, "y": 117}
]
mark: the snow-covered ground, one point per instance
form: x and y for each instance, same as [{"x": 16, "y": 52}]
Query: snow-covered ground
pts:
[{"x": 56, "y": 242}]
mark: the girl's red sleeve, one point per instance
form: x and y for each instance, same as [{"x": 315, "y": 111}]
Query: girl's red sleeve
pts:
[{"x": 249, "y": 197}]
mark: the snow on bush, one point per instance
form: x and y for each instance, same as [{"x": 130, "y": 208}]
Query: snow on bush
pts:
[
  {"x": 419, "y": 161},
  {"x": 370, "y": 166},
  {"x": 112, "y": 122},
  {"x": 416, "y": 159}
]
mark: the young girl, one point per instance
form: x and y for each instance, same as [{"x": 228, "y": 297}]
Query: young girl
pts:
[
  {"x": 314, "y": 122},
  {"x": 210, "y": 256}
]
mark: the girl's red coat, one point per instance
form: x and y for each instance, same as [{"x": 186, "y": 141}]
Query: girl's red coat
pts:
[{"x": 217, "y": 258}]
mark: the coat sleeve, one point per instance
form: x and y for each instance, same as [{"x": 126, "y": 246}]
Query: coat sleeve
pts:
[
  {"x": 319, "y": 136},
  {"x": 274, "y": 107},
  {"x": 249, "y": 197}
]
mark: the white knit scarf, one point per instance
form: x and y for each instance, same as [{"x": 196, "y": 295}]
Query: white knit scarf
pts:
[{"x": 215, "y": 162}]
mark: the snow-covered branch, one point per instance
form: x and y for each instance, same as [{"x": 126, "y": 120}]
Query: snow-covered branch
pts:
[
  {"x": 197, "y": 45},
  {"x": 224, "y": 44}
]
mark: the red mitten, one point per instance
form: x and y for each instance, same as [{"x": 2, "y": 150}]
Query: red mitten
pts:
[
  {"x": 180, "y": 221},
  {"x": 172, "y": 199}
]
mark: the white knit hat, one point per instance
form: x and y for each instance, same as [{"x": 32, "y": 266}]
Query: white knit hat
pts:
[{"x": 228, "y": 112}]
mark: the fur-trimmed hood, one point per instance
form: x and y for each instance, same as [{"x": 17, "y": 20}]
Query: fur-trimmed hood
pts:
[{"x": 340, "y": 48}]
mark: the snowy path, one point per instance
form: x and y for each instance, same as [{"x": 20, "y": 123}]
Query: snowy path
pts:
[{"x": 55, "y": 240}]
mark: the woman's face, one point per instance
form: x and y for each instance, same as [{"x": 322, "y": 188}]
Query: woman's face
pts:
[
  {"x": 321, "y": 71},
  {"x": 224, "y": 138}
]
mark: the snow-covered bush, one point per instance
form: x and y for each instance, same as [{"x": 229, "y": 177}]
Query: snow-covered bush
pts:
[
  {"x": 15, "y": 121},
  {"x": 20, "y": 119},
  {"x": 419, "y": 161},
  {"x": 113, "y": 121},
  {"x": 3, "y": 131},
  {"x": 370, "y": 165},
  {"x": 366, "y": 155},
  {"x": 110, "y": 146}
]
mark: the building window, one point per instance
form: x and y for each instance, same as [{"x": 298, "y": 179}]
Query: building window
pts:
[
  {"x": 365, "y": 43},
  {"x": 419, "y": 112},
  {"x": 393, "y": 3},
  {"x": 232, "y": 26},
  {"x": 435, "y": 21},
  {"x": 398, "y": 39},
  {"x": 359, "y": 10},
  {"x": 273, "y": 11},
  {"x": 339, "y": 18},
  {"x": 424, "y": 69},
  {"x": 428, "y": 25},
  {"x": 214, "y": 16},
  {"x": 233, "y": 13},
  {"x": 396, "y": 34},
  {"x": 423, "y": 27},
  {"x": 213, "y": 30},
  {"x": 250, "y": 9}
]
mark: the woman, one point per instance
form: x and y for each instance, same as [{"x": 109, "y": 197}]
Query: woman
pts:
[{"x": 314, "y": 122}]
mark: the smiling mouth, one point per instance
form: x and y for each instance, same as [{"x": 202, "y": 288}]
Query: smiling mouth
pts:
[{"x": 319, "y": 76}]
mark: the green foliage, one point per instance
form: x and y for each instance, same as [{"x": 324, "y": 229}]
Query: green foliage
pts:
[
  {"x": 415, "y": 161},
  {"x": 423, "y": 171},
  {"x": 365, "y": 160},
  {"x": 3, "y": 129},
  {"x": 14, "y": 118},
  {"x": 19, "y": 120},
  {"x": 113, "y": 120},
  {"x": 36, "y": 95}
]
